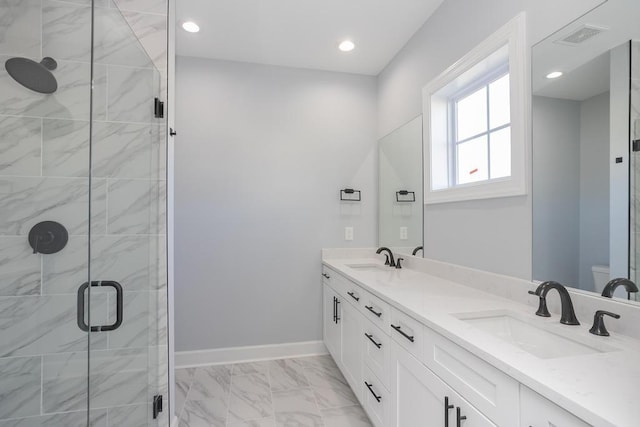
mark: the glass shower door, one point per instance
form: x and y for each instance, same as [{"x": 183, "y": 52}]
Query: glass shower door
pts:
[
  {"x": 83, "y": 324},
  {"x": 128, "y": 363},
  {"x": 634, "y": 181}
]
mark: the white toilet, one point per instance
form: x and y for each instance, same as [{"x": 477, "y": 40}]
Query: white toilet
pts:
[{"x": 600, "y": 277}]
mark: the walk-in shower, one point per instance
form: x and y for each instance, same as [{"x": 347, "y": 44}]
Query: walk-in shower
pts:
[{"x": 83, "y": 281}]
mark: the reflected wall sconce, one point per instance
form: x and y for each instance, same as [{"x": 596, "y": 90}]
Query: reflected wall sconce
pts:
[
  {"x": 350, "y": 195},
  {"x": 405, "y": 196}
]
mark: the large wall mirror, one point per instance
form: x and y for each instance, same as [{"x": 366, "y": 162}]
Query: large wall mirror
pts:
[
  {"x": 586, "y": 87},
  {"x": 400, "y": 188}
]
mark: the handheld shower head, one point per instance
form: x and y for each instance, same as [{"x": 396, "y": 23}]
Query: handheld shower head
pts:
[{"x": 33, "y": 75}]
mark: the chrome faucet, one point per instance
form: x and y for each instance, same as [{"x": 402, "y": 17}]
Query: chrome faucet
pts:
[
  {"x": 390, "y": 261},
  {"x": 621, "y": 281},
  {"x": 568, "y": 316}
]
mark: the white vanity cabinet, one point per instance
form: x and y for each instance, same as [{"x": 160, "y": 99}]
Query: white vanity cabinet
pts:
[
  {"x": 406, "y": 374},
  {"x": 351, "y": 346},
  {"x": 420, "y": 398},
  {"x": 536, "y": 411},
  {"x": 332, "y": 330}
]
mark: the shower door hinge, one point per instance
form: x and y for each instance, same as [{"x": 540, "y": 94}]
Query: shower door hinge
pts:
[
  {"x": 157, "y": 405},
  {"x": 158, "y": 108},
  {"x": 635, "y": 145}
]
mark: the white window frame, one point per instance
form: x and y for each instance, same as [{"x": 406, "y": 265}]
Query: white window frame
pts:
[{"x": 505, "y": 46}]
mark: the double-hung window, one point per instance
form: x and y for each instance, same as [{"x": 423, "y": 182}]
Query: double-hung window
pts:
[
  {"x": 480, "y": 135},
  {"x": 475, "y": 117}
]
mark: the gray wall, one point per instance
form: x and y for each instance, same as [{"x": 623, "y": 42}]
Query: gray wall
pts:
[
  {"x": 594, "y": 186},
  {"x": 556, "y": 189},
  {"x": 493, "y": 235},
  {"x": 260, "y": 157}
]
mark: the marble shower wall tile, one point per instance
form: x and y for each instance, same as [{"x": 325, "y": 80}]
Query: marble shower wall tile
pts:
[
  {"x": 65, "y": 148},
  {"x": 35, "y": 325},
  {"x": 130, "y": 94},
  {"x": 27, "y": 201},
  {"x": 66, "y": 31},
  {"x": 130, "y": 416},
  {"x": 136, "y": 206},
  {"x": 20, "y": 387},
  {"x": 116, "y": 43},
  {"x": 123, "y": 150},
  {"x": 119, "y": 150},
  {"x": 151, "y": 30},
  {"x": 117, "y": 378},
  {"x": 149, "y": 6},
  {"x": 144, "y": 324},
  {"x": 71, "y": 100},
  {"x": 79, "y": 418},
  {"x": 20, "y": 139},
  {"x": 20, "y": 28},
  {"x": 132, "y": 261},
  {"x": 20, "y": 268}
]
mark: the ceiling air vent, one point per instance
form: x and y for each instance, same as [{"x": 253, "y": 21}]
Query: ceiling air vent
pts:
[{"x": 581, "y": 35}]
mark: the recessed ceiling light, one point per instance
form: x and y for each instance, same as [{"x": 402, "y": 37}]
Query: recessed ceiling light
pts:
[
  {"x": 346, "y": 46},
  {"x": 190, "y": 27},
  {"x": 554, "y": 74}
]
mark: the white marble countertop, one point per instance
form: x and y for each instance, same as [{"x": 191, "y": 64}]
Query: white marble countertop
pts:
[{"x": 601, "y": 388}]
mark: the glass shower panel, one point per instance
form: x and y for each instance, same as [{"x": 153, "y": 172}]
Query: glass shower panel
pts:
[
  {"x": 129, "y": 364},
  {"x": 634, "y": 182},
  {"x": 44, "y": 170}
]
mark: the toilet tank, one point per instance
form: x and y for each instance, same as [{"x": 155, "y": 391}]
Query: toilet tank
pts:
[{"x": 600, "y": 277}]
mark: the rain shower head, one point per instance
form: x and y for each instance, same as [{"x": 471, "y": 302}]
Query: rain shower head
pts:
[{"x": 33, "y": 75}]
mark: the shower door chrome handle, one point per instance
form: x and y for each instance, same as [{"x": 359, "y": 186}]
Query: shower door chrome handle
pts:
[{"x": 119, "y": 306}]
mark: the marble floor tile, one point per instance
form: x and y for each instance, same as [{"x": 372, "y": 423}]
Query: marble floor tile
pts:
[
  {"x": 333, "y": 394},
  {"x": 287, "y": 374},
  {"x": 210, "y": 382},
  {"x": 204, "y": 413},
  {"x": 301, "y": 400},
  {"x": 250, "y": 368},
  {"x": 295, "y": 408},
  {"x": 268, "y": 394},
  {"x": 263, "y": 422},
  {"x": 350, "y": 416},
  {"x": 250, "y": 398}
]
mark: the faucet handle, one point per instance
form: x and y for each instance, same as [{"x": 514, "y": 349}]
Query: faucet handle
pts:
[
  {"x": 598, "y": 327},
  {"x": 543, "y": 311},
  {"x": 398, "y": 263}
]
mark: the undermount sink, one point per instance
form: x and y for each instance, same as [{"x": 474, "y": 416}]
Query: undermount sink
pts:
[
  {"x": 368, "y": 267},
  {"x": 532, "y": 339}
]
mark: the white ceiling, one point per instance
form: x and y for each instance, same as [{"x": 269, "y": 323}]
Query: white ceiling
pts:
[
  {"x": 584, "y": 65},
  {"x": 302, "y": 33}
]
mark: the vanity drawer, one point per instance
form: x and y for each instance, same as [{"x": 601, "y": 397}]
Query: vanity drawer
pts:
[
  {"x": 490, "y": 390},
  {"x": 352, "y": 293},
  {"x": 376, "y": 310},
  {"x": 377, "y": 352},
  {"x": 407, "y": 332},
  {"x": 376, "y": 398},
  {"x": 333, "y": 279}
]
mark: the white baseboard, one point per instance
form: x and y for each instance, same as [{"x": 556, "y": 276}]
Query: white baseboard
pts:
[{"x": 219, "y": 356}]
